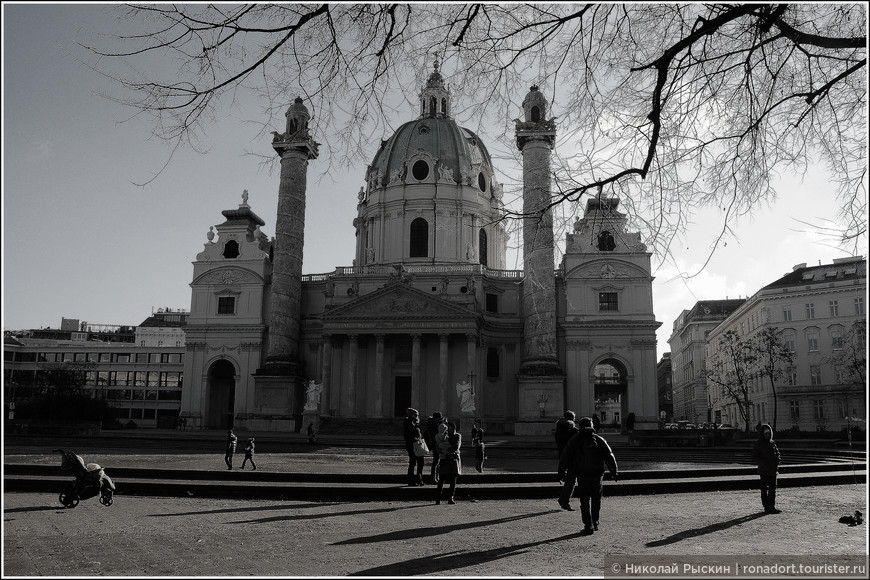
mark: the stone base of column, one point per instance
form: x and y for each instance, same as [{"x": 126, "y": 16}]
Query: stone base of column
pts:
[
  {"x": 541, "y": 404},
  {"x": 278, "y": 398}
]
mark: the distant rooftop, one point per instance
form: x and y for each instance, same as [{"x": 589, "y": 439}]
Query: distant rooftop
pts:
[{"x": 852, "y": 268}]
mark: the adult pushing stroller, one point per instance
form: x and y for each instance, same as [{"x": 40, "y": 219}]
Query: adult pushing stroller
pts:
[{"x": 91, "y": 480}]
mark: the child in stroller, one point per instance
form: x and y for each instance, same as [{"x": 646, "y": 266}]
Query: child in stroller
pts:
[{"x": 90, "y": 481}]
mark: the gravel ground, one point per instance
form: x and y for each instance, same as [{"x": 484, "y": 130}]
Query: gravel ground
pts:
[{"x": 153, "y": 536}]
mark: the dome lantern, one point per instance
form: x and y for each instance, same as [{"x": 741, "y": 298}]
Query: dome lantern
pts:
[{"x": 435, "y": 98}]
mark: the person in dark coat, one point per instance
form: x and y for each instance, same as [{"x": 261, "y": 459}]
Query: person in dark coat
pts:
[
  {"x": 410, "y": 432},
  {"x": 450, "y": 467},
  {"x": 767, "y": 457},
  {"x": 565, "y": 429},
  {"x": 429, "y": 436},
  {"x": 583, "y": 462},
  {"x": 231, "y": 449},
  {"x": 596, "y": 422}
]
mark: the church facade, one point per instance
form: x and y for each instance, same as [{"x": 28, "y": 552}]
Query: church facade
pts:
[{"x": 427, "y": 316}]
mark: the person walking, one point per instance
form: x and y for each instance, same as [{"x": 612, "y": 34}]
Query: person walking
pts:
[
  {"x": 479, "y": 447},
  {"x": 311, "y": 437},
  {"x": 249, "y": 455},
  {"x": 410, "y": 432},
  {"x": 231, "y": 448},
  {"x": 767, "y": 457},
  {"x": 565, "y": 429},
  {"x": 429, "y": 436},
  {"x": 450, "y": 466},
  {"x": 583, "y": 462}
]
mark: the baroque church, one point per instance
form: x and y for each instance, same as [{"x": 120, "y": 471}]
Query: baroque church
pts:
[{"x": 427, "y": 316}]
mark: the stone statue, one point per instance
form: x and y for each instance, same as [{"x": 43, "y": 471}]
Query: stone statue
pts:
[
  {"x": 465, "y": 391},
  {"x": 312, "y": 403},
  {"x": 245, "y": 197},
  {"x": 469, "y": 251},
  {"x": 330, "y": 287},
  {"x": 361, "y": 196},
  {"x": 370, "y": 255}
]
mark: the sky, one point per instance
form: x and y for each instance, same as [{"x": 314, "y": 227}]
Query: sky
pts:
[{"x": 95, "y": 227}]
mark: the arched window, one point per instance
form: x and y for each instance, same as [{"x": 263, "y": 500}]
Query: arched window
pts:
[
  {"x": 606, "y": 243},
  {"x": 419, "y": 238},
  {"x": 433, "y": 106},
  {"x": 444, "y": 107},
  {"x": 482, "y": 246},
  {"x": 536, "y": 114}
]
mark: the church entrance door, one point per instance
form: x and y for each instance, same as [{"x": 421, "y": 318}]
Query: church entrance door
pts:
[
  {"x": 401, "y": 396},
  {"x": 221, "y": 395},
  {"x": 611, "y": 401}
]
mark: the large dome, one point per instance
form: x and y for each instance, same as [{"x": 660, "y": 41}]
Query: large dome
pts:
[
  {"x": 431, "y": 195},
  {"x": 452, "y": 152}
]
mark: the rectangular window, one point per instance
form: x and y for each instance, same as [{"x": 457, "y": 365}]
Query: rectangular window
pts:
[
  {"x": 836, "y": 340},
  {"x": 153, "y": 379},
  {"x": 791, "y": 376},
  {"x": 121, "y": 357},
  {"x": 170, "y": 395},
  {"x": 105, "y": 357},
  {"x": 815, "y": 375},
  {"x": 492, "y": 363},
  {"x": 151, "y": 395},
  {"x": 226, "y": 305},
  {"x": 491, "y": 302},
  {"x": 608, "y": 301},
  {"x": 139, "y": 379},
  {"x": 818, "y": 409},
  {"x": 813, "y": 341},
  {"x": 794, "y": 409},
  {"x": 92, "y": 357},
  {"x": 169, "y": 379},
  {"x": 835, "y": 307},
  {"x": 80, "y": 357},
  {"x": 170, "y": 357},
  {"x": 789, "y": 341},
  {"x": 859, "y": 305},
  {"x": 142, "y": 357},
  {"x": 811, "y": 310}
]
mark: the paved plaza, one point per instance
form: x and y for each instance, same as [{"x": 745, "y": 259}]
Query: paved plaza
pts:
[{"x": 155, "y": 536}]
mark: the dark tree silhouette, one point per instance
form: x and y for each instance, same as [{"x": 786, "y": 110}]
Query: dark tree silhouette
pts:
[{"x": 673, "y": 107}]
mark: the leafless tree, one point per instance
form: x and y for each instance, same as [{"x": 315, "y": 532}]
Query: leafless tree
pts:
[
  {"x": 772, "y": 354},
  {"x": 730, "y": 367},
  {"x": 672, "y": 107}
]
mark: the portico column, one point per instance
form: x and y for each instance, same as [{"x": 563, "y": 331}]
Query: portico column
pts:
[
  {"x": 471, "y": 339},
  {"x": 379, "y": 376},
  {"x": 351, "y": 375},
  {"x": 326, "y": 374},
  {"x": 415, "y": 370},
  {"x": 442, "y": 370}
]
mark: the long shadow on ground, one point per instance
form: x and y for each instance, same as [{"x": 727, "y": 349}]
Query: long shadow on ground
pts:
[
  {"x": 693, "y": 533},
  {"x": 441, "y": 563}
]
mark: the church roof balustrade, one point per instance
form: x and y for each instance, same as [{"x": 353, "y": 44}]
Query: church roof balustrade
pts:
[{"x": 389, "y": 269}]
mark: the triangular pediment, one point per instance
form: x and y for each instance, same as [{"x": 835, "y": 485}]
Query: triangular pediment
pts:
[{"x": 398, "y": 301}]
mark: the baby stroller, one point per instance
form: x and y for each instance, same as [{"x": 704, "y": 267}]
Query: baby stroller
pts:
[{"x": 90, "y": 481}]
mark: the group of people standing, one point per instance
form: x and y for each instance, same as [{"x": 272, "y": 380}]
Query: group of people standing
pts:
[{"x": 439, "y": 438}]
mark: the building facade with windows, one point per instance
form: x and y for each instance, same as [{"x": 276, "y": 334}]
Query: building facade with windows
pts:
[
  {"x": 815, "y": 307},
  {"x": 142, "y": 381},
  {"x": 427, "y": 316},
  {"x": 688, "y": 343},
  {"x": 664, "y": 378}
]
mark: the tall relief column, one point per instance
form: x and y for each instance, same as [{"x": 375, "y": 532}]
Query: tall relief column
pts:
[
  {"x": 279, "y": 382},
  {"x": 540, "y": 379}
]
